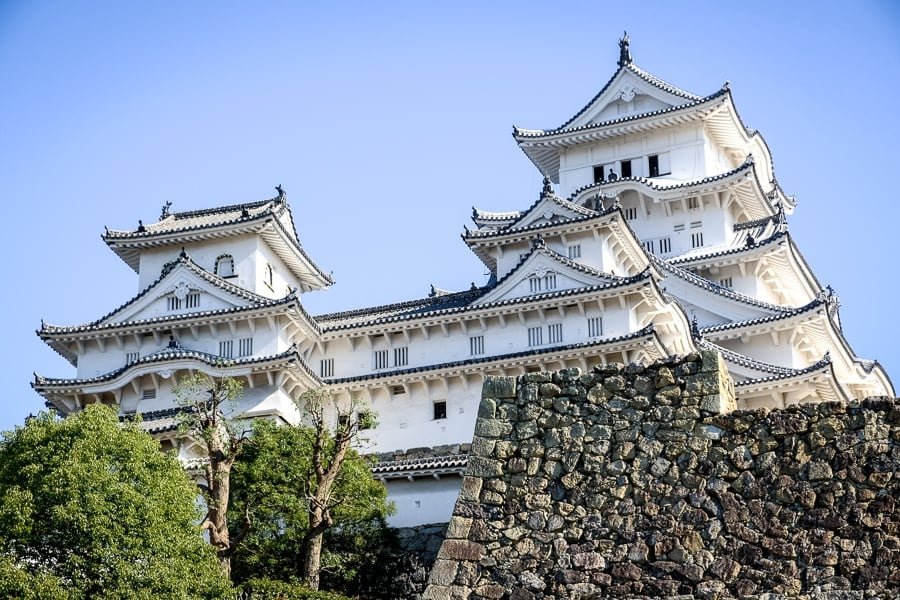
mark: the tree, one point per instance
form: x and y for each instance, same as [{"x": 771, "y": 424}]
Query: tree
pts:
[
  {"x": 302, "y": 481},
  {"x": 206, "y": 401},
  {"x": 91, "y": 508}
]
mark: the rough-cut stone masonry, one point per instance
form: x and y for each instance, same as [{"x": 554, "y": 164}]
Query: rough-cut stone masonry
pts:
[{"x": 640, "y": 481}]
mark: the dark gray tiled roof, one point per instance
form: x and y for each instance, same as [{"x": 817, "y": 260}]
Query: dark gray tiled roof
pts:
[
  {"x": 536, "y": 227},
  {"x": 169, "y": 354},
  {"x": 786, "y": 314},
  {"x": 157, "y": 421},
  {"x": 401, "y": 468},
  {"x": 738, "y": 249}
]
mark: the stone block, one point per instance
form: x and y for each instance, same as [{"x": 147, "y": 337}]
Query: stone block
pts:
[{"x": 498, "y": 387}]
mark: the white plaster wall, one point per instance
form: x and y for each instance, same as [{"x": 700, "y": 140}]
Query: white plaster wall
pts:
[
  {"x": 435, "y": 497},
  {"x": 204, "y": 254}
]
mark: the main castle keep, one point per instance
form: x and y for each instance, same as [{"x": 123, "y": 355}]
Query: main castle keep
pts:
[{"x": 661, "y": 229}]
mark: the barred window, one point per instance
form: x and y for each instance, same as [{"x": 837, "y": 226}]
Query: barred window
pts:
[
  {"x": 697, "y": 239},
  {"x": 131, "y": 357},
  {"x": 575, "y": 251},
  {"x": 440, "y": 410},
  {"x": 476, "y": 345},
  {"x": 173, "y": 303},
  {"x": 665, "y": 245},
  {"x": 192, "y": 300},
  {"x": 382, "y": 358},
  {"x": 535, "y": 336},
  {"x": 226, "y": 348},
  {"x": 401, "y": 356},
  {"x": 245, "y": 346},
  {"x": 595, "y": 326},
  {"x": 555, "y": 333},
  {"x": 534, "y": 284},
  {"x": 326, "y": 367}
]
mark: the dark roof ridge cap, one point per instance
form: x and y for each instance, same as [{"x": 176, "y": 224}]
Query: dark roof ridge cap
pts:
[
  {"x": 621, "y": 120},
  {"x": 397, "y": 305},
  {"x": 660, "y": 83},
  {"x": 810, "y": 306},
  {"x": 479, "y": 234},
  {"x": 113, "y": 235},
  {"x": 202, "y": 212},
  {"x": 712, "y": 286},
  {"x": 732, "y": 250}
]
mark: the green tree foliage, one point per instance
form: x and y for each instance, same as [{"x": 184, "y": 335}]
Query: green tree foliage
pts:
[
  {"x": 96, "y": 506},
  {"x": 279, "y": 477}
]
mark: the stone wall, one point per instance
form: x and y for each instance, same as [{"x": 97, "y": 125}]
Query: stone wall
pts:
[{"x": 641, "y": 481}]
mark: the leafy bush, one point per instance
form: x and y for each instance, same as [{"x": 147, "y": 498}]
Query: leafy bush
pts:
[{"x": 270, "y": 589}]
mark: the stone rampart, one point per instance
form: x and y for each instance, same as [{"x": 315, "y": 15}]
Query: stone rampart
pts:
[{"x": 642, "y": 481}]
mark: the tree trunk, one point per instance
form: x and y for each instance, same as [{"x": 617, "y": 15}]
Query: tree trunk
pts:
[{"x": 312, "y": 557}]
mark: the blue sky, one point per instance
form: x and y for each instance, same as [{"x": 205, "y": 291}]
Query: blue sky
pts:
[{"x": 386, "y": 122}]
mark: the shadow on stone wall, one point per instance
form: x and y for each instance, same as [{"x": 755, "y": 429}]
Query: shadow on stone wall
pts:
[{"x": 641, "y": 481}]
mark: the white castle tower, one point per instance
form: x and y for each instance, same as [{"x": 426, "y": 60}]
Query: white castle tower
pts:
[{"x": 667, "y": 233}]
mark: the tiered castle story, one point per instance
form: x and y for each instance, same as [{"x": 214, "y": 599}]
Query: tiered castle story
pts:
[{"x": 660, "y": 229}]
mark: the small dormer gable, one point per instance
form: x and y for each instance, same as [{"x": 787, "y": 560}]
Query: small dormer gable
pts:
[
  {"x": 183, "y": 288},
  {"x": 543, "y": 271},
  {"x": 549, "y": 208}
]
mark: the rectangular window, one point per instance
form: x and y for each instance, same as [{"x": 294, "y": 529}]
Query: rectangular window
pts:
[
  {"x": 550, "y": 281},
  {"x": 595, "y": 326},
  {"x": 598, "y": 173},
  {"x": 326, "y": 367},
  {"x": 665, "y": 245},
  {"x": 696, "y": 224},
  {"x": 535, "y": 336},
  {"x": 650, "y": 246},
  {"x": 697, "y": 239},
  {"x": 382, "y": 358},
  {"x": 693, "y": 203},
  {"x": 192, "y": 300},
  {"x": 476, "y": 345},
  {"x": 226, "y": 348},
  {"x": 575, "y": 251},
  {"x": 148, "y": 395},
  {"x": 173, "y": 303},
  {"x": 132, "y": 357},
  {"x": 440, "y": 410},
  {"x": 534, "y": 284},
  {"x": 679, "y": 227},
  {"x": 245, "y": 346},
  {"x": 631, "y": 213},
  {"x": 401, "y": 356},
  {"x": 726, "y": 282},
  {"x": 555, "y": 333},
  {"x": 653, "y": 164},
  {"x": 626, "y": 168}
]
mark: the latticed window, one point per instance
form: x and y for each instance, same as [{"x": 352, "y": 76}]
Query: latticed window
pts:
[
  {"x": 192, "y": 300},
  {"x": 595, "y": 326},
  {"x": 534, "y": 284},
  {"x": 665, "y": 245},
  {"x": 131, "y": 358},
  {"x": 697, "y": 239},
  {"x": 476, "y": 345},
  {"x": 401, "y": 356},
  {"x": 555, "y": 333},
  {"x": 631, "y": 213},
  {"x": 535, "y": 336},
  {"x": 326, "y": 367},
  {"x": 226, "y": 348},
  {"x": 574, "y": 251},
  {"x": 381, "y": 359},
  {"x": 245, "y": 346}
]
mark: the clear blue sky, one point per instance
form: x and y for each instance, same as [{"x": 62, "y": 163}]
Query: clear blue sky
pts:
[{"x": 387, "y": 121}]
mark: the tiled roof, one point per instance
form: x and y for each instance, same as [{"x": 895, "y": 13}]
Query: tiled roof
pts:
[
  {"x": 410, "y": 467},
  {"x": 588, "y": 214},
  {"x": 708, "y": 253},
  {"x": 785, "y": 314},
  {"x": 706, "y": 284},
  {"x": 185, "y": 260},
  {"x": 460, "y": 302},
  {"x": 564, "y": 129},
  {"x": 486, "y": 215},
  {"x": 751, "y": 363},
  {"x": 646, "y": 332},
  {"x": 157, "y": 421},
  {"x": 48, "y": 330},
  {"x": 199, "y": 219},
  {"x": 169, "y": 354},
  {"x": 821, "y": 365},
  {"x": 651, "y": 79}
]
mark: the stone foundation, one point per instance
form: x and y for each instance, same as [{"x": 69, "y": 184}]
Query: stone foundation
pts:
[{"x": 642, "y": 481}]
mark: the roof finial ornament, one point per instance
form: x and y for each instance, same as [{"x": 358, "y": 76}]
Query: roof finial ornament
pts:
[
  {"x": 751, "y": 241},
  {"x": 598, "y": 202},
  {"x": 141, "y": 228},
  {"x": 165, "y": 211},
  {"x": 538, "y": 242},
  {"x": 624, "y": 50},
  {"x": 548, "y": 188},
  {"x": 173, "y": 343},
  {"x": 695, "y": 328},
  {"x": 280, "y": 190},
  {"x": 183, "y": 253}
]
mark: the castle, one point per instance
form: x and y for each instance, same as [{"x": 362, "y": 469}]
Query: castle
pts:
[{"x": 660, "y": 229}]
